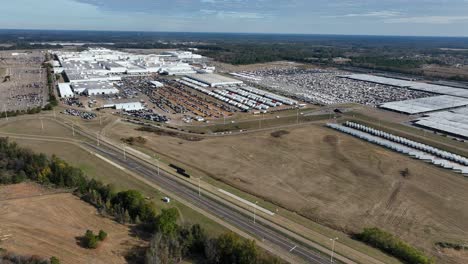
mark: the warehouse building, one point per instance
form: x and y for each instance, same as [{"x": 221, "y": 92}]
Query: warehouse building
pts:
[
  {"x": 214, "y": 80},
  {"x": 94, "y": 88},
  {"x": 130, "y": 106},
  {"x": 65, "y": 90}
]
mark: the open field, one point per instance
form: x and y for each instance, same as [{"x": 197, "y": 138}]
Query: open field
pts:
[
  {"x": 331, "y": 178},
  {"x": 45, "y": 224},
  {"x": 101, "y": 170}
]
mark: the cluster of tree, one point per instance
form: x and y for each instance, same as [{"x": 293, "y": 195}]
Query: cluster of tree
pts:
[
  {"x": 134, "y": 140},
  {"x": 249, "y": 53},
  {"x": 10, "y": 258},
  {"x": 185, "y": 242},
  {"x": 171, "y": 242},
  {"x": 29, "y": 111},
  {"x": 455, "y": 246},
  {"x": 90, "y": 240},
  {"x": 385, "y": 63},
  {"x": 53, "y": 102},
  {"x": 393, "y": 246}
]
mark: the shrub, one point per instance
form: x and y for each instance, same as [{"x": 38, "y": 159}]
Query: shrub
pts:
[
  {"x": 393, "y": 246},
  {"x": 102, "y": 235}
]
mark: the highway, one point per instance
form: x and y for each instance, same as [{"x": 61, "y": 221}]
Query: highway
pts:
[{"x": 225, "y": 212}]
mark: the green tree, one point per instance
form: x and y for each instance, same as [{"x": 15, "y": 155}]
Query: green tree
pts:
[
  {"x": 102, "y": 235},
  {"x": 54, "y": 260},
  {"x": 90, "y": 240}
]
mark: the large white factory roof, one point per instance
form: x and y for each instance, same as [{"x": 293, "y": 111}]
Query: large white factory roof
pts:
[
  {"x": 65, "y": 90},
  {"x": 454, "y": 122},
  {"x": 426, "y": 87},
  {"x": 214, "y": 80},
  {"x": 425, "y": 105}
]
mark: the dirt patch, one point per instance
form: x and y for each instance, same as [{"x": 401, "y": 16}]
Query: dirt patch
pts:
[
  {"x": 279, "y": 133},
  {"x": 330, "y": 139},
  {"x": 47, "y": 225},
  {"x": 162, "y": 132}
]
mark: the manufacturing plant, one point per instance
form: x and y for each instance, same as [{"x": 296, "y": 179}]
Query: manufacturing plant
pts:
[
  {"x": 414, "y": 149},
  {"x": 137, "y": 83}
]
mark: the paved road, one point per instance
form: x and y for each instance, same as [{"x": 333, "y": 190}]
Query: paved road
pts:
[{"x": 228, "y": 214}]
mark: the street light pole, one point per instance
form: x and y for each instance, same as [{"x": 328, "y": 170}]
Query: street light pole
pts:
[
  {"x": 333, "y": 248},
  {"x": 254, "y": 211},
  {"x": 199, "y": 190}
]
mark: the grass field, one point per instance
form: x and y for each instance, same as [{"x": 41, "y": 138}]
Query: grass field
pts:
[
  {"x": 331, "y": 178},
  {"x": 107, "y": 173},
  {"x": 48, "y": 225}
]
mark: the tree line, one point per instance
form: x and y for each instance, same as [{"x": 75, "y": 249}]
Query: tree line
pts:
[
  {"x": 170, "y": 243},
  {"x": 393, "y": 246}
]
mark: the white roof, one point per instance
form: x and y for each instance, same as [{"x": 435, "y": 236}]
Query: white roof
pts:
[
  {"x": 420, "y": 86},
  {"x": 157, "y": 84},
  {"x": 65, "y": 90},
  {"x": 453, "y": 122},
  {"x": 131, "y": 106},
  {"x": 213, "y": 79},
  {"x": 425, "y": 105}
]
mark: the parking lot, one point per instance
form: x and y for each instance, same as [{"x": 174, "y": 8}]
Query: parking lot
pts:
[
  {"x": 325, "y": 86},
  {"x": 23, "y": 83}
]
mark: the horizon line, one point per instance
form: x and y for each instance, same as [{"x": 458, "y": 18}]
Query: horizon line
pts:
[{"x": 234, "y": 33}]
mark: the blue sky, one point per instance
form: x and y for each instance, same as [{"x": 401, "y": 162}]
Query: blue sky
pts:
[{"x": 373, "y": 17}]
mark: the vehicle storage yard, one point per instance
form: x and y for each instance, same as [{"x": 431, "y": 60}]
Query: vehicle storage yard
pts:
[
  {"x": 326, "y": 87},
  {"x": 23, "y": 82}
]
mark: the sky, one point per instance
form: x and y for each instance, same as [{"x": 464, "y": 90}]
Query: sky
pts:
[{"x": 359, "y": 17}]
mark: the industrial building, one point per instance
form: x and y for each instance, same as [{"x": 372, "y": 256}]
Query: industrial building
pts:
[
  {"x": 94, "y": 88},
  {"x": 420, "y": 86},
  {"x": 131, "y": 106},
  {"x": 214, "y": 80},
  {"x": 65, "y": 90},
  {"x": 426, "y": 105},
  {"x": 453, "y": 122},
  {"x": 157, "y": 84}
]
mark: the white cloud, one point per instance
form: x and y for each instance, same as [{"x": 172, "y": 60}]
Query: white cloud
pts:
[{"x": 427, "y": 20}]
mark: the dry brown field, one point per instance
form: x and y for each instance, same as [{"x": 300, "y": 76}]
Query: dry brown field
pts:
[
  {"x": 331, "y": 178},
  {"x": 48, "y": 224}
]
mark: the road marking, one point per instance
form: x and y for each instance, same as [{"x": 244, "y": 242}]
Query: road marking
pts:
[
  {"x": 292, "y": 248},
  {"x": 246, "y": 202}
]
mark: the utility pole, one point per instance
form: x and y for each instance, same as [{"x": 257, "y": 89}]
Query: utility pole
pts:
[
  {"x": 73, "y": 129},
  {"x": 254, "y": 211},
  {"x": 55, "y": 116},
  {"x": 42, "y": 125},
  {"x": 333, "y": 248},
  {"x": 6, "y": 114},
  {"x": 199, "y": 189},
  {"x": 297, "y": 115},
  {"x": 97, "y": 138},
  {"x": 124, "y": 154}
]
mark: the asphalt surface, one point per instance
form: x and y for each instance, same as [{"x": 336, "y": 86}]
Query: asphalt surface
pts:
[{"x": 233, "y": 217}]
